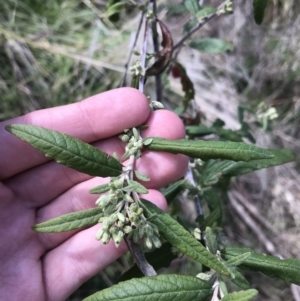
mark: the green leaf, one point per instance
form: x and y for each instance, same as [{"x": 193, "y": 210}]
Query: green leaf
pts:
[
  {"x": 237, "y": 278},
  {"x": 259, "y": 7},
  {"x": 159, "y": 258},
  {"x": 100, "y": 189},
  {"x": 192, "y": 6},
  {"x": 135, "y": 186},
  {"x": 241, "y": 295},
  {"x": 141, "y": 176},
  {"x": 224, "y": 134},
  {"x": 235, "y": 261},
  {"x": 281, "y": 156},
  {"x": 173, "y": 190},
  {"x": 114, "y": 9},
  {"x": 286, "y": 269},
  {"x": 211, "y": 240},
  {"x": 205, "y": 12},
  {"x": 211, "y": 219},
  {"x": 236, "y": 151},
  {"x": 68, "y": 151},
  {"x": 70, "y": 221},
  {"x": 212, "y": 45},
  {"x": 181, "y": 239},
  {"x": 162, "y": 287}
]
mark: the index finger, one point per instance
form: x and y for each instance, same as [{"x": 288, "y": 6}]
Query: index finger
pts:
[{"x": 100, "y": 116}]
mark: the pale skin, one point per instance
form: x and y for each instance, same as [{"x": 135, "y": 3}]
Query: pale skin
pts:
[{"x": 49, "y": 267}]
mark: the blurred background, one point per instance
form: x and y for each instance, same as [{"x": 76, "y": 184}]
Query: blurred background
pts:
[{"x": 58, "y": 52}]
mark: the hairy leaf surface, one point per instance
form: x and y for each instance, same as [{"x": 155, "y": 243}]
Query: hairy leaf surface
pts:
[
  {"x": 247, "y": 295},
  {"x": 68, "y": 151},
  {"x": 162, "y": 287},
  {"x": 181, "y": 239},
  {"x": 286, "y": 269},
  {"x": 236, "y": 151},
  {"x": 70, "y": 221},
  {"x": 100, "y": 189}
]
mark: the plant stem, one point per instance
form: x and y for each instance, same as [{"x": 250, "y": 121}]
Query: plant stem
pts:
[
  {"x": 134, "y": 248},
  {"x": 139, "y": 258},
  {"x": 179, "y": 44},
  {"x": 123, "y": 80},
  {"x": 158, "y": 83}
]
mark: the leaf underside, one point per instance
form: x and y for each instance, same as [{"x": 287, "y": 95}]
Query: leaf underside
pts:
[
  {"x": 235, "y": 151},
  {"x": 70, "y": 221},
  {"x": 181, "y": 239},
  {"x": 162, "y": 287},
  {"x": 68, "y": 151}
]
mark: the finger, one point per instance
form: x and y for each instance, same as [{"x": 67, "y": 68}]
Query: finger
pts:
[
  {"x": 100, "y": 116},
  {"x": 162, "y": 168},
  {"x": 79, "y": 258}
]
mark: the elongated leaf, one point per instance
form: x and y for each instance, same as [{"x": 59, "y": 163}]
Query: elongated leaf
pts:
[
  {"x": 259, "y": 7},
  {"x": 236, "y": 151},
  {"x": 281, "y": 156},
  {"x": 286, "y": 269},
  {"x": 238, "y": 279},
  {"x": 241, "y": 295},
  {"x": 70, "y": 221},
  {"x": 162, "y": 287},
  {"x": 159, "y": 258},
  {"x": 100, "y": 189},
  {"x": 181, "y": 239},
  {"x": 214, "y": 170},
  {"x": 67, "y": 150},
  {"x": 135, "y": 186},
  {"x": 237, "y": 260},
  {"x": 192, "y": 6},
  {"x": 212, "y": 45},
  {"x": 205, "y": 12},
  {"x": 114, "y": 9},
  {"x": 213, "y": 217},
  {"x": 173, "y": 190}
]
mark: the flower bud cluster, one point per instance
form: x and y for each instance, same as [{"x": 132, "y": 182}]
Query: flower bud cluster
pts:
[
  {"x": 123, "y": 216},
  {"x": 134, "y": 143}
]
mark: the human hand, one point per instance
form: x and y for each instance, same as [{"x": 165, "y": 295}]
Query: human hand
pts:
[{"x": 36, "y": 266}]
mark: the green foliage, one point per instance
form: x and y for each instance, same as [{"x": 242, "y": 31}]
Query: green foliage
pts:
[
  {"x": 212, "y": 45},
  {"x": 181, "y": 239},
  {"x": 162, "y": 287},
  {"x": 286, "y": 269},
  {"x": 192, "y": 6},
  {"x": 70, "y": 221},
  {"x": 68, "y": 151},
  {"x": 211, "y": 149},
  {"x": 241, "y": 295}
]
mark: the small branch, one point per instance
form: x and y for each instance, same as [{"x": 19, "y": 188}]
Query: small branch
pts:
[
  {"x": 196, "y": 28},
  {"x": 140, "y": 259},
  {"x": 122, "y": 82},
  {"x": 190, "y": 178},
  {"x": 158, "y": 82},
  {"x": 144, "y": 52}
]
